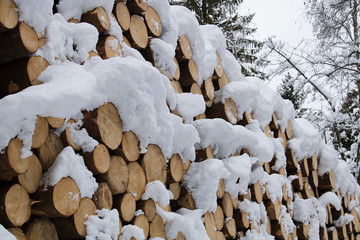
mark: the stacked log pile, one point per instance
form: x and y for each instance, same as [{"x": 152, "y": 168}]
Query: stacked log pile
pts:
[{"x": 30, "y": 211}]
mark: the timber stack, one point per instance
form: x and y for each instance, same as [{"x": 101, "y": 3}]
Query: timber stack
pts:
[{"x": 29, "y": 210}]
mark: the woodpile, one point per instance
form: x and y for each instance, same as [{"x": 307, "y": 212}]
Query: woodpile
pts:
[{"x": 30, "y": 211}]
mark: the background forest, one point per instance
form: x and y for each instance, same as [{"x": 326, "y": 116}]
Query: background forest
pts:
[{"x": 321, "y": 77}]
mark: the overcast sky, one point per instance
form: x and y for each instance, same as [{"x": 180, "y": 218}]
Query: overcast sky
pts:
[{"x": 282, "y": 18}]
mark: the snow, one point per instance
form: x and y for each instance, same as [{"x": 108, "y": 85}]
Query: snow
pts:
[
  {"x": 210, "y": 172},
  {"x": 257, "y": 212},
  {"x": 70, "y": 164},
  {"x": 129, "y": 232},
  {"x": 5, "y": 234},
  {"x": 81, "y": 137},
  {"x": 157, "y": 191},
  {"x": 189, "y": 105},
  {"x": 104, "y": 225}
]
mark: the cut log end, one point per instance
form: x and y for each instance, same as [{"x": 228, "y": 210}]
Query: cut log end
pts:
[
  {"x": 136, "y": 6},
  {"x": 98, "y": 18},
  {"x": 17, "y": 164},
  {"x": 9, "y": 16},
  {"x": 130, "y": 146},
  {"x": 138, "y": 33},
  {"x": 154, "y": 164},
  {"x": 41, "y": 132},
  {"x": 183, "y": 49},
  {"x": 55, "y": 122},
  {"x": 86, "y": 208},
  {"x": 137, "y": 180},
  {"x": 153, "y": 22},
  {"x": 122, "y": 15},
  {"x": 103, "y": 196},
  {"x": 41, "y": 229},
  {"x": 29, "y": 37},
  {"x": 30, "y": 180},
  {"x": 117, "y": 176},
  {"x": 66, "y": 196}
]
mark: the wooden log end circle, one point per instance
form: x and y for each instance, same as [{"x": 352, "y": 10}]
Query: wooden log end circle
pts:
[
  {"x": 130, "y": 146},
  {"x": 41, "y": 229},
  {"x": 35, "y": 66},
  {"x": 137, "y": 180},
  {"x": 153, "y": 22},
  {"x": 122, "y": 15},
  {"x": 138, "y": 32},
  {"x": 55, "y": 122},
  {"x": 41, "y": 132},
  {"x": 154, "y": 164},
  {"x": 117, "y": 176},
  {"x": 86, "y": 208},
  {"x": 29, "y": 37},
  {"x": 9, "y": 16},
  {"x": 30, "y": 180},
  {"x": 103, "y": 198},
  {"x": 17, "y": 164},
  {"x": 231, "y": 111},
  {"x": 66, "y": 196}
]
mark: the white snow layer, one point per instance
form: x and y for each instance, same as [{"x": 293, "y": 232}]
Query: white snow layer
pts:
[
  {"x": 104, "y": 225},
  {"x": 5, "y": 234},
  {"x": 157, "y": 191}
]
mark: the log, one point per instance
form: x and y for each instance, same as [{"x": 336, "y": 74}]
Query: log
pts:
[
  {"x": 246, "y": 119},
  {"x": 92, "y": 54},
  {"x": 274, "y": 125},
  {"x": 219, "y": 218},
  {"x": 153, "y": 22},
  {"x": 289, "y": 130},
  {"x": 324, "y": 234},
  {"x": 117, "y": 177},
  {"x": 280, "y": 134},
  {"x": 208, "y": 91},
  {"x": 273, "y": 210},
  {"x": 103, "y": 198},
  {"x": 154, "y": 164},
  {"x": 126, "y": 205},
  {"x": 302, "y": 230},
  {"x": 17, "y": 43},
  {"x": 291, "y": 161},
  {"x": 55, "y": 122},
  {"x": 189, "y": 72},
  {"x": 136, "y": 6},
  {"x": 20, "y": 74},
  {"x": 137, "y": 180},
  {"x": 235, "y": 202},
  {"x": 356, "y": 220},
  {"x": 314, "y": 179},
  {"x": 104, "y": 125},
  {"x": 74, "y": 226},
  {"x": 278, "y": 230},
  {"x": 194, "y": 89},
  {"x": 175, "y": 190},
  {"x": 220, "y": 235},
  {"x": 18, "y": 233},
  {"x": 148, "y": 207},
  {"x": 242, "y": 219},
  {"x": 137, "y": 34},
  {"x": 185, "y": 200},
  {"x": 267, "y": 167},
  {"x": 327, "y": 181},
  {"x": 129, "y": 149},
  {"x": 333, "y": 234},
  {"x": 230, "y": 229},
  {"x": 183, "y": 51},
  {"x": 41, "y": 229},
  {"x": 41, "y": 132},
  {"x": 268, "y": 131},
  {"x": 342, "y": 233},
  {"x": 157, "y": 228},
  {"x": 221, "y": 189},
  {"x": 15, "y": 206},
  {"x": 122, "y": 15},
  {"x": 98, "y": 18},
  {"x": 268, "y": 225},
  {"x": 62, "y": 200},
  {"x": 226, "y": 111},
  {"x": 304, "y": 166},
  {"x": 30, "y": 180},
  {"x": 9, "y": 16},
  {"x": 307, "y": 192},
  {"x": 175, "y": 169},
  {"x": 66, "y": 136},
  {"x": 98, "y": 161},
  {"x": 313, "y": 162},
  {"x": 209, "y": 223},
  {"x": 256, "y": 192},
  {"x": 218, "y": 70},
  {"x": 142, "y": 222},
  {"x": 227, "y": 206},
  {"x": 11, "y": 163},
  {"x": 108, "y": 46},
  {"x": 177, "y": 87}
]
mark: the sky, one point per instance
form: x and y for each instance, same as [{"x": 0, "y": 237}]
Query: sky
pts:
[{"x": 283, "y": 19}]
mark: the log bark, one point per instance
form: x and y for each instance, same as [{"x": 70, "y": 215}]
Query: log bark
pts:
[
  {"x": 136, "y": 6},
  {"x": 117, "y": 177},
  {"x": 17, "y": 43},
  {"x": 142, "y": 222},
  {"x": 103, "y": 198},
  {"x": 104, "y": 125},
  {"x": 189, "y": 73},
  {"x": 126, "y": 205},
  {"x": 30, "y": 180},
  {"x": 98, "y": 161},
  {"x": 20, "y": 74},
  {"x": 108, "y": 46},
  {"x": 183, "y": 51},
  {"x": 209, "y": 223},
  {"x": 62, "y": 200},
  {"x": 41, "y": 229},
  {"x": 129, "y": 149},
  {"x": 157, "y": 228},
  {"x": 74, "y": 226},
  {"x": 226, "y": 111},
  {"x": 148, "y": 207},
  {"x": 15, "y": 206},
  {"x": 154, "y": 164},
  {"x": 55, "y": 122},
  {"x": 122, "y": 15},
  {"x": 98, "y": 18},
  {"x": 153, "y": 22},
  {"x": 9, "y": 16},
  {"x": 11, "y": 163},
  {"x": 137, "y": 180},
  {"x": 137, "y": 34},
  {"x": 50, "y": 150}
]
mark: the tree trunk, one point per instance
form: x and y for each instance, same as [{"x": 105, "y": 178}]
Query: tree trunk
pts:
[
  {"x": 98, "y": 161},
  {"x": 137, "y": 180},
  {"x": 226, "y": 111},
  {"x": 189, "y": 73},
  {"x": 154, "y": 164},
  {"x": 98, "y": 18},
  {"x": 137, "y": 33}
]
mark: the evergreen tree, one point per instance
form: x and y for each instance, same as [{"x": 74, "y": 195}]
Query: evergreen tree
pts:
[{"x": 236, "y": 28}]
